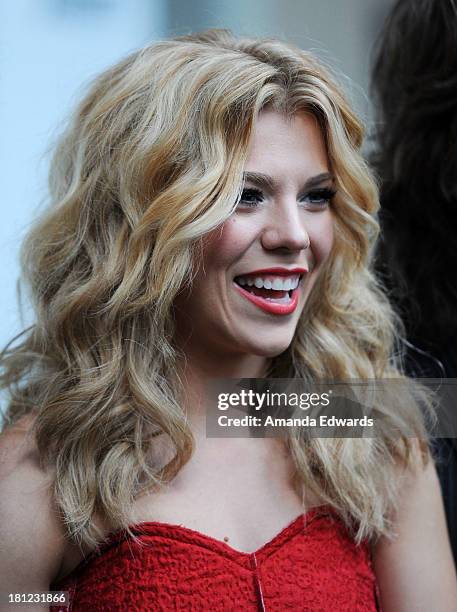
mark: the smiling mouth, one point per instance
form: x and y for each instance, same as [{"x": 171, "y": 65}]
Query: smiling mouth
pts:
[
  {"x": 279, "y": 297},
  {"x": 282, "y": 294}
]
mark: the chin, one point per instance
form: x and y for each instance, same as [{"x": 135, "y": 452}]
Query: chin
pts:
[{"x": 269, "y": 349}]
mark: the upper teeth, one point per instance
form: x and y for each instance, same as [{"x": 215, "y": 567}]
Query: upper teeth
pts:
[{"x": 277, "y": 283}]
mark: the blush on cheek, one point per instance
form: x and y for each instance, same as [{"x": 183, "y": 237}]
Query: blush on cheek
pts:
[
  {"x": 227, "y": 243},
  {"x": 327, "y": 244},
  {"x": 322, "y": 242}
]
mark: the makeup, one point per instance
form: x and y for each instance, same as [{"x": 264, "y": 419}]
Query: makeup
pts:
[
  {"x": 284, "y": 305},
  {"x": 258, "y": 268},
  {"x": 273, "y": 290}
]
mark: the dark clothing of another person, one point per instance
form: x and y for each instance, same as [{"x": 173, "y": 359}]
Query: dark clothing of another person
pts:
[{"x": 420, "y": 363}]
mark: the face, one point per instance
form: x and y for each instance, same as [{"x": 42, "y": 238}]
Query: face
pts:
[{"x": 259, "y": 268}]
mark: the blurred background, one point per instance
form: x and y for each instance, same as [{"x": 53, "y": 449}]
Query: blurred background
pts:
[{"x": 49, "y": 50}]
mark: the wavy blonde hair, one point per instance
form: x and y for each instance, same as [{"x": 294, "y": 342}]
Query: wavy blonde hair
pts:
[{"x": 150, "y": 162}]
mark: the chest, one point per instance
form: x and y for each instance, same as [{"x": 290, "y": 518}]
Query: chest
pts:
[{"x": 235, "y": 491}]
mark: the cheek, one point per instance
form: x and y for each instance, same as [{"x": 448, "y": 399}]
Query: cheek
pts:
[
  {"x": 322, "y": 239},
  {"x": 224, "y": 245}
]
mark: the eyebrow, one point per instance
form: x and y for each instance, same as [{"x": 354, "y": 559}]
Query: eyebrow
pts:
[{"x": 267, "y": 182}]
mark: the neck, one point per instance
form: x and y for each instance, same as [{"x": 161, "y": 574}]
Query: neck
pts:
[{"x": 198, "y": 367}]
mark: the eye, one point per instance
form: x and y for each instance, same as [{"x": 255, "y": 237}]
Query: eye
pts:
[
  {"x": 319, "y": 198},
  {"x": 250, "y": 197}
]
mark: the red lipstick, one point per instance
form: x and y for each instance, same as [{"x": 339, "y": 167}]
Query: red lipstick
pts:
[
  {"x": 270, "y": 306},
  {"x": 267, "y": 304}
]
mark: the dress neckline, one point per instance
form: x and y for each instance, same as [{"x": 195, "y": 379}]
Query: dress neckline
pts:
[
  {"x": 156, "y": 527},
  {"x": 187, "y": 535}
]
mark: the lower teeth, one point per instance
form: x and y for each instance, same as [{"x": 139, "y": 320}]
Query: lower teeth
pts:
[{"x": 284, "y": 300}]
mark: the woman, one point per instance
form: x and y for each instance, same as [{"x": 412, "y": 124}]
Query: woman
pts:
[{"x": 190, "y": 170}]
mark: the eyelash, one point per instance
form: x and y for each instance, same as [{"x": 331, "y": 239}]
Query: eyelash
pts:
[{"x": 324, "y": 196}]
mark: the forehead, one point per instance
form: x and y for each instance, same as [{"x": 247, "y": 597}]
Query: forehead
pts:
[{"x": 280, "y": 143}]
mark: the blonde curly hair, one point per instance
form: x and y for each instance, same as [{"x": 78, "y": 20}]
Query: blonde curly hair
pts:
[{"x": 152, "y": 161}]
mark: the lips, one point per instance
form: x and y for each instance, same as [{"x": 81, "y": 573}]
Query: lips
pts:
[
  {"x": 269, "y": 305},
  {"x": 273, "y": 290}
]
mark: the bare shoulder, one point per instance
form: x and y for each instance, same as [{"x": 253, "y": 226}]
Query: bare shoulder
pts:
[
  {"x": 32, "y": 539},
  {"x": 415, "y": 568}
]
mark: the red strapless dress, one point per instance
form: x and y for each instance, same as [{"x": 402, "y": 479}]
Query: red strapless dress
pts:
[{"x": 311, "y": 565}]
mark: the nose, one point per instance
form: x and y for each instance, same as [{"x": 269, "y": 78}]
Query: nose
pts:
[{"x": 285, "y": 229}]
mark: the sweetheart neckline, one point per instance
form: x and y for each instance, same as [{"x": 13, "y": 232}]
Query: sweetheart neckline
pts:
[
  {"x": 204, "y": 540},
  {"x": 138, "y": 528}
]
